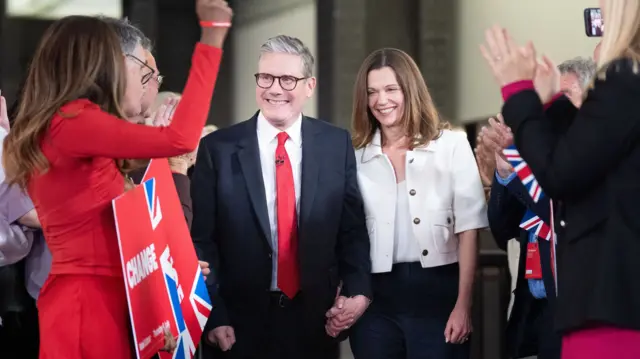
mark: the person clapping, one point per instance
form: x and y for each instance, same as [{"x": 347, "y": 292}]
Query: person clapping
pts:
[{"x": 588, "y": 161}]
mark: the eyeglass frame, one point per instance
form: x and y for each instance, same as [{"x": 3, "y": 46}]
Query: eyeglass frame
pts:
[
  {"x": 146, "y": 77},
  {"x": 279, "y": 78},
  {"x": 159, "y": 79}
]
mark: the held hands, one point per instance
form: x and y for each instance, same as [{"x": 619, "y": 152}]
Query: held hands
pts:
[{"x": 344, "y": 313}]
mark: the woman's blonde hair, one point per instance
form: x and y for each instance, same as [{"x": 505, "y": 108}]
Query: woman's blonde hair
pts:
[
  {"x": 420, "y": 118},
  {"x": 621, "y": 38}
]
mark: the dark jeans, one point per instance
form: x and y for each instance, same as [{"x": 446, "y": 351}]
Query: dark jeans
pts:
[{"x": 407, "y": 317}]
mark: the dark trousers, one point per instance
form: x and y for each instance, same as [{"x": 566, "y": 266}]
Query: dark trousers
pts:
[
  {"x": 286, "y": 336},
  {"x": 19, "y": 336},
  {"x": 539, "y": 336},
  {"x": 407, "y": 318}
]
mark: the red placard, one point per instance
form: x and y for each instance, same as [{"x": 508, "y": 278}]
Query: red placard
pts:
[{"x": 165, "y": 286}]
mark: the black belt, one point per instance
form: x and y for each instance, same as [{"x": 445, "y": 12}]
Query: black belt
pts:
[{"x": 280, "y": 299}]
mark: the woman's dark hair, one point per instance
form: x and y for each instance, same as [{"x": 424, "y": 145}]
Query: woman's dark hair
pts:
[{"x": 420, "y": 119}]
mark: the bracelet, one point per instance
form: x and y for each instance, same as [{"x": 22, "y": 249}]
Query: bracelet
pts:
[{"x": 214, "y": 24}]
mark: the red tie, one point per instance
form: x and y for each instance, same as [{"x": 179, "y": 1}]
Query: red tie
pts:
[{"x": 288, "y": 275}]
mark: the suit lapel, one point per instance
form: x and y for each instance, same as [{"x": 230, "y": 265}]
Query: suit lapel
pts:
[
  {"x": 249, "y": 157},
  {"x": 310, "y": 169}
]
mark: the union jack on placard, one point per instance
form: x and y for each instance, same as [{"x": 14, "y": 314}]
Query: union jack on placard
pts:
[
  {"x": 532, "y": 223},
  {"x": 523, "y": 172},
  {"x": 199, "y": 298},
  {"x": 153, "y": 202}
]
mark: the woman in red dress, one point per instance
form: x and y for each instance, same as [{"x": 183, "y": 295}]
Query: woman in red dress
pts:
[{"x": 67, "y": 149}]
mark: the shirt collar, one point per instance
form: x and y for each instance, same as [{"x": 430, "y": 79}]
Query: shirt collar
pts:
[
  {"x": 267, "y": 132},
  {"x": 374, "y": 148}
]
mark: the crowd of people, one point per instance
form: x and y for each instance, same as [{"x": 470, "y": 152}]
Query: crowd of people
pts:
[{"x": 309, "y": 234}]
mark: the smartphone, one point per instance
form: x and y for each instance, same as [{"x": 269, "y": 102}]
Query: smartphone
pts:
[{"x": 593, "y": 24}]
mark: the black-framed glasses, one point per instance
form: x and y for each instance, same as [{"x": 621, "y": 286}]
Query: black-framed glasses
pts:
[
  {"x": 147, "y": 76},
  {"x": 287, "y": 82}
]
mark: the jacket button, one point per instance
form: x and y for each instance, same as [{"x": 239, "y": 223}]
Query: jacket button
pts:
[
  {"x": 410, "y": 160},
  {"x": 416, "y": 220},
  {"x": 563, "y": 223},
  {"x": 448, "y": 220},
  {"x": 412, "y": 192},
  {"x": 425, "y": 252}
]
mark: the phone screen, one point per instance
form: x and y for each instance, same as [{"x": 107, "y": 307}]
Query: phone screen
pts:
[{"x": 593, "y": 24}]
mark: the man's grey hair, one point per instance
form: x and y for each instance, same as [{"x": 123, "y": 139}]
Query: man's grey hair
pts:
[
  {"x": 129, "y": 35},
  {"x": 583, "y": 67},
  {"x": 283, "y": 44}
]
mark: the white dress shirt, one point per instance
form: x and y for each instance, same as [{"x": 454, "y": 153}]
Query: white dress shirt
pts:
[
  {"x": 445, "y": 198},
  {"x": 267, "y": 143}
]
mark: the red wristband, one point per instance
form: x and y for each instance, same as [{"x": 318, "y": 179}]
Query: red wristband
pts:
[{"x": 214, "y": 24}]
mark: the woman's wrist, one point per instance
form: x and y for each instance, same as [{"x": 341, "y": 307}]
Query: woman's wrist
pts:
[
  {"x": 214, "y": 36},
  {"x": 464, "y": 302}
]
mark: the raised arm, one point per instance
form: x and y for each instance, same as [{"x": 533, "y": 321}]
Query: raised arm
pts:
[
  {"x": 95, "y": 133},
  {"x": 571, "y": 162}
]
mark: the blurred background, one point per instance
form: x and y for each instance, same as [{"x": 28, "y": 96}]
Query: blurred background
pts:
[{"x": 441, "y": 35}]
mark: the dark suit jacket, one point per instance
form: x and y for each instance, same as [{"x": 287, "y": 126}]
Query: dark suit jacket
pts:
[
  {"x": 593, "y": 170},
  {"x": 231, "y": 226},
  {"x": 507, "y": 207}
]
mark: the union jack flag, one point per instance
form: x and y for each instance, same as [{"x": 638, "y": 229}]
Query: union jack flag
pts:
[
  {"x": 188, "y": 336},
  {"x": 199, "y": 298},
  {"x": 523, "y": 172},
  {"x": 533, "y": 223}
]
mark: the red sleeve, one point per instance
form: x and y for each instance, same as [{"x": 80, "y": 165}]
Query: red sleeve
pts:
[
  {"x": 553, "y": 99},
  {"x": 95, "y": 133},
  {"x": 515, "y": 87}
]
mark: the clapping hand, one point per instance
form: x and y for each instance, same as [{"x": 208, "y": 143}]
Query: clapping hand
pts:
[
  {"x": 491, "y": 141},
  {"x": 508, "y": 62},
  {"x": 163, "y": 115},
  {"x": 547, "y": 80}
]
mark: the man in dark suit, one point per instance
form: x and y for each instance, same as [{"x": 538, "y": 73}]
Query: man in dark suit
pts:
[
  {"x": 278, "y": 214},
  {"x": 530, "y": 330}
]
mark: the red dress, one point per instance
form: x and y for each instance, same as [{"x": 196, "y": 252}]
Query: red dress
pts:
[{"x": 82, "y": 306}]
